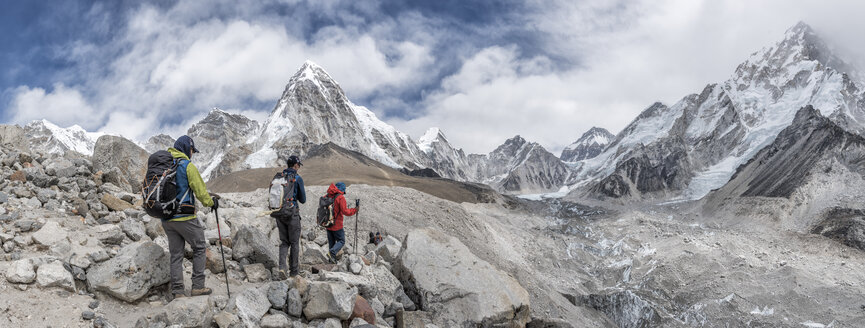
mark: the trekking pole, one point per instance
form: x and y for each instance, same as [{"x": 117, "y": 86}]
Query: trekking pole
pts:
[
  {"x": 356, "y": 218},
  {"x": 221, "y": 252}
]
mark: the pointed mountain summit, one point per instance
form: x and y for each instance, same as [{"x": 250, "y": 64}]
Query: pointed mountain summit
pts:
[
  {"x": 589, "y": 145},
  {"x": 220, "y": 138},
  {"x": 314, "y": 110},
  {"x": 687, "y": 149}
]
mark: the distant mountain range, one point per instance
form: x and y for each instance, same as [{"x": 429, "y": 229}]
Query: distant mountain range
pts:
[{"x": 680, "y": 151}]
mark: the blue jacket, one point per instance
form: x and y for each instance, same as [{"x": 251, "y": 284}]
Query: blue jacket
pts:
[{"x": 299, "y": 189}]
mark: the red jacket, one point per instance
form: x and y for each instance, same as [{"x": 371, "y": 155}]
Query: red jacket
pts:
[{"x": 339, "y": 207}]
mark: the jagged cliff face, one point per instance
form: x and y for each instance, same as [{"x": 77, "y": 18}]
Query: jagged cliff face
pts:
[
  {"x": 589, "y": 145},
  {"x": 519, "y": 166},
  {"x": 446, "y": 160},
  {"x": 158, "y": 142},
  {"x": 711, "y": 133},
  {"x": 781, "y": 168},
  {"x": 220, "y": 137},
  {"x": 314, "y": 110}
]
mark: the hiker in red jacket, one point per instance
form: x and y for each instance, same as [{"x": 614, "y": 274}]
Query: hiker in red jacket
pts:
[{"x": 335, "y": 233}]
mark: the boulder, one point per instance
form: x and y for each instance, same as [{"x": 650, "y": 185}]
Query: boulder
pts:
[
  {"x": 362, "y": 310},
  {"x": 214, "y": 259},
  {"x": 325, "y": 323},
  {"x": 133, "y": 229},
  {"x": 114, "y": 203},
  {"x": 130, "y": 275},
  {"x": 251, "y": 244},
  {"x": 330, "y": 300},
  {"x": 117, "y": 152},
  {"x": 190, "y": 311},
  {"x": 226, "y": 320},
  {"x": 53, "y": 274},
  {"x": 251, "y": 304},
  {"x": 389, "y": 248},
  {"x": 409, "y": 319},
  {"x": 22, "y": 271},
  {"x": 61, "y": 168},
  {"x": 50, "y": 234},
  {"x": 277, "y": 292},
  {"x": 256, "y": 272},
  {"x": 314, "y": 255},
  {"x": 437, "y": 270},
  {"x": 365, "y": 285},
  {"x": 274, "y": 321},
  {"x": 358, "y": 322},
  {"x": 14, "y": 136},
  {"x": 294, "y": 303},
  {"x": 109, "y": 234}
]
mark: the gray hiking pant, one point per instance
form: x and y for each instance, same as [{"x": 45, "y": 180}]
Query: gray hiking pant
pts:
[
  {"x": 289, "y": 238},
  {"x": 179, "y": 233}
]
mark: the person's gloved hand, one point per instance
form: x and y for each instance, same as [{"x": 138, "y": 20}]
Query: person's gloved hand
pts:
[
  {"x": 214, "y": 196},
  {"x": 215, "y": 203},
  {"x": 357, "y": 203}
]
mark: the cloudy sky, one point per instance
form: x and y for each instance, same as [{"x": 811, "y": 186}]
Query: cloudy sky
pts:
[{"x": 482, "y": 71}]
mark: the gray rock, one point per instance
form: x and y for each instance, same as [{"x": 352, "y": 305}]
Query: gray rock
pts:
[
  {"x": 133, "y": 229},
  {"x": 54, "y": 275},
  {"x": 357, "y": 322},
  {"x": 3, "y": 197},
  {"x": 109, "y": 234},
  {"x": 294, "y": 303},
  {"x": 24, "y": 225},
  {"x": 226, "y": 320},
  {"x": 330, "y": 300},
  {"x": 433, "y": 267},
  {"x": 118, "y": 152},
  {"x": 190, "y": 311},
  {"x": 45, "y": 195},
  {"x": 88, "y": 315},
  {"x": 325, "y": 323},
  {"x": 61, "y": 168},
  {"x": 21, "y": 272},
  {"x": 130, "y": 275},
  {"x": 406, "y": 301},
  {"x": 377, "y": 306},
  {"x": 50, "y": 234},
  {"x": 393, "y": 308},
  {"x": 274, "y": 321},
  {"x": 389, "y": 249},
  {"x": 254, "y": 246},
  {"x": 314, "y": 255},
  {"x": 256, "y": 272},
  {"x": 251, "y": 304},
  {"x": 277, "y": 292}
]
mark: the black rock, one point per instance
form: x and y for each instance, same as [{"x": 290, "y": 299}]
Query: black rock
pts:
[
  {"x": 93, "y": 305},
  {"x": 88, "y": 315}
]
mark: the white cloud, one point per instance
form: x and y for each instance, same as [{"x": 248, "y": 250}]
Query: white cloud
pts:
[
  {"x": 174, "y": 67},
  {"x": 628, "y": 54},
  {"x": 62, "y": 105}
]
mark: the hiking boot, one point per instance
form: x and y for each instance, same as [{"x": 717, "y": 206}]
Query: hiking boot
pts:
[
  {"x": 331, "y": 258},
  {"x": 176, "y": 296},
  {"x": 201, "y": 291},
  {"x": 281, "y": 275}
]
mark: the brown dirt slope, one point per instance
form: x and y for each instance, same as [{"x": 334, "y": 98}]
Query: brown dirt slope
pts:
[{"x": 330, "y": 163}]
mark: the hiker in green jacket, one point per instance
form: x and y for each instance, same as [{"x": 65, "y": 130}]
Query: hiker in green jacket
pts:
[{"x": 185, "y": 227}]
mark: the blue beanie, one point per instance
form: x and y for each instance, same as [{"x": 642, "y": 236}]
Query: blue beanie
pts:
[{"x": 340, "y": 186}]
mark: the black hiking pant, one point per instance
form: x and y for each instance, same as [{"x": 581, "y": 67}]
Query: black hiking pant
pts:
[{"x": 289, "y": 238}]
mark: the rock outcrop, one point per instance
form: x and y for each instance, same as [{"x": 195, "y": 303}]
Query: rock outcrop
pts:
[
  {"x": 438, "y": 273},
  {"x": 130, "y": 275}
]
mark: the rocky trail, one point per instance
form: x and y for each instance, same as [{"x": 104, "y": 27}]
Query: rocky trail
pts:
[{"x": 78, "y": 252}]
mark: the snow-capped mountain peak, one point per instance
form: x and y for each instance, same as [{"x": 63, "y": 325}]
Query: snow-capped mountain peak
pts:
[
  {"x": 432, "y": 135},
  {"x": 589, "y": 145},
  {"x": 51, "y": 138}
]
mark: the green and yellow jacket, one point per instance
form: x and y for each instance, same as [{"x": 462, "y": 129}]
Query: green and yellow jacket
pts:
[{"x": 189, "y": 178}]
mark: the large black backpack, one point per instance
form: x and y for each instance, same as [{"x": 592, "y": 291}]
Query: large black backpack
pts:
[
  {"x": 281, "y": 195},
  {"x": 159, "y": 190},
  {"x": 324, "y": 216}
]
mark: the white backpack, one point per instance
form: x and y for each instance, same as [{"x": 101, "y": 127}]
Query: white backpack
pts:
[{"x": 281, "y": 190}]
